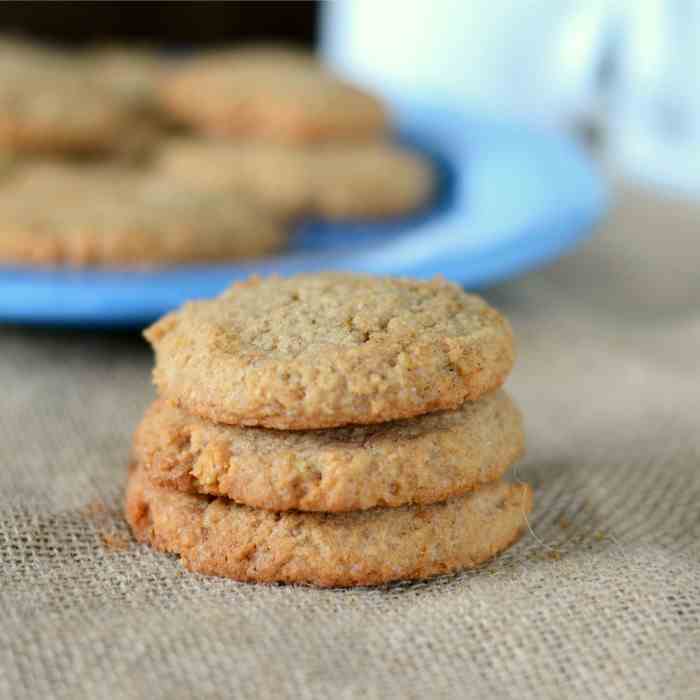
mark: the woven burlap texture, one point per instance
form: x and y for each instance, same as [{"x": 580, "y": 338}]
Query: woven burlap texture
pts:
[{"x": 603, "y": 601}]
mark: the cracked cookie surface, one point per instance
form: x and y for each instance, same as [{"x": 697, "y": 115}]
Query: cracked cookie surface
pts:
[{"x": 318, "y": 351}]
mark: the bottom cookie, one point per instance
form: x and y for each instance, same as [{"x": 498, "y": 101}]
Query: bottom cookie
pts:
[{"x": 218, "y": 537}]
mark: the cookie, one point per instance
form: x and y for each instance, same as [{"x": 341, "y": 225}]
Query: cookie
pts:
[
  {"x": 17, "y": 47},
  {"x": 374, "y": 180},
  {"x": 109, "y": 215},
  {"x": 277, "y": 177},
  {"x": 319, "y": 351},
  {"x": 217, "y": 537},
  {"x": 271, "y": 93},
  {"x": 417, "y": 460},
  {"x": 50, "y": 104},
  {"x": 132, "y": 73},
  {"x": 336, "y": 181}
]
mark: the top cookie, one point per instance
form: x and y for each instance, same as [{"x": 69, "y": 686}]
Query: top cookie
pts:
[
  {"x": 317, "y": 351},
  {"x": 273, "y": 93}
]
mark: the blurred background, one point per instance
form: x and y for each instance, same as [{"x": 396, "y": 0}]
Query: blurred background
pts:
[
  {"x": 622, "y": 74},
  {"x": 574, "y": 127},
  {"x": 618, "y": 77},
  {"x": 626, "y": 71},
  {"x": 174, "y": 24}
]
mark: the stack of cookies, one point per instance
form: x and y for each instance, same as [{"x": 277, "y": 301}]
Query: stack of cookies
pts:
[
  {"x": 331, "y": 429},
  {"x": 140, "y": 159}
]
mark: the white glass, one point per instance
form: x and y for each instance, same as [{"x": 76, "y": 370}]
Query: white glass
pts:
[{"x": 631, "y": 67}]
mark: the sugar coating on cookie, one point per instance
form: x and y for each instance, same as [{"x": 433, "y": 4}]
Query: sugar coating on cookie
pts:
[
  {"x": 221, "y": 538},
  {"x": 274, "y": 93},
  {"x": 334, "y": 181},
  {"x": 109, "y": 215},
  {"x": 417, "y": 460},
  {"x": 325, "y": 350}
]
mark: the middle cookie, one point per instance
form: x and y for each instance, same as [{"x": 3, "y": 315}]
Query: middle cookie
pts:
[{"x": 418, "y": 460}]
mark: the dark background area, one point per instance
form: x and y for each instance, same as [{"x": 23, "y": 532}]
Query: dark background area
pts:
[{"x": 169, "y": 23}]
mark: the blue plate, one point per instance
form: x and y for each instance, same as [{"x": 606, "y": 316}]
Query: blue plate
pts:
[{"x": 510, "y": 198}]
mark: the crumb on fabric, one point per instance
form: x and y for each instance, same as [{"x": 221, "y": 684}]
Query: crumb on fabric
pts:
[
  {"x": 96, "y": 507},
  {"x": 115, "y": 541}
]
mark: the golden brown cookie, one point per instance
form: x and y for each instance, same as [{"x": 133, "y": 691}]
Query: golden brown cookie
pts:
[
  {"x": 417, "y": 460},
  {"x": 275, "y": 176},
  {"x": 221, "y": 538},
  {"x": 335, "y": 181},
  {"x": 131, "y": 72},
  {"x": 272, "y": 93},
  {"x": 109, "y": 215},
  {"x": 364, "y": 181},
  {"x": 49, "y": 103},
  {"x": 319, "y": 351}
]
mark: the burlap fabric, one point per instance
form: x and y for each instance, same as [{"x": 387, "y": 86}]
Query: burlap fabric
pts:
[{"x": 603, "y": 601}]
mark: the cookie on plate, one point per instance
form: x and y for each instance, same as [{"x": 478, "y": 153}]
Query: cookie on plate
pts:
[
  {"x": 49, "y": 103},
  {"x": 319, "y": 351},
  {"x": 366, "y": 181},
  {"x": 221, "y": 538},
  {"x": 277, "y": 177},
  {"x": 417, "y": 460},
  {"x": 334, "y": 181},
  {"x": 271, "y": 93},
  {"x": 89, "y": 214},
  {"x": 134, "y": 73}
]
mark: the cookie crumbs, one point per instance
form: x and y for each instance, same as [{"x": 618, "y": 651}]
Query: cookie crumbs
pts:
[
  {"x": 115, "y": 541},
  {"x": 95, "y": 508}
]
